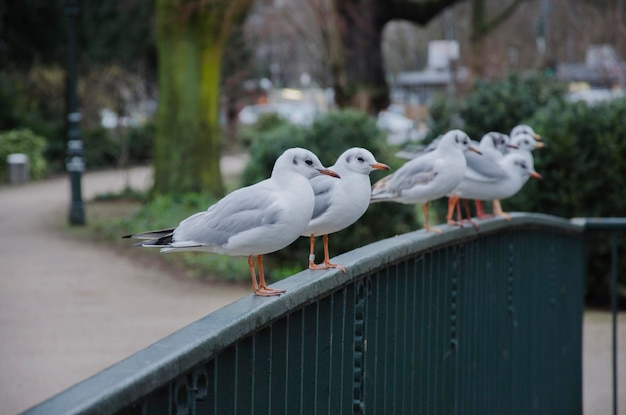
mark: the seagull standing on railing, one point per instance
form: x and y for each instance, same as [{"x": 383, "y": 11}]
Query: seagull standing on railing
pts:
[
  {"x": 522, "y": 144},
  {"x": 340, "y": 203},
  {"x": 492, "y": 145},
  {"x": 251, "y": 221},
  {"x": 513, "y": 172},
  {"x": 427, "y": 177}
]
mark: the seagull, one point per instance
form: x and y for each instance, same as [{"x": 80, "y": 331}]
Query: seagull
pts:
[
  {"x": 515, "y": 169},
  {"x": 493, "y": 146},
  {"x": 427, "y": 177},
  {"x": 524, "y": 129},
  {"x": 340, "y": 203},
  {"x": 251, "y": 221},
  {"x": 522, "y": 141}
]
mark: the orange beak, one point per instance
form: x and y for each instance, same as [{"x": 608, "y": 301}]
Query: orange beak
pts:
[
  {"x": 536, "y": 175},
  {"x": 541, "y": 145},
  {"x": 537, "y": 136},
  {"x": 330, "y": 173},
  {"x": 475, "y": 150},
  {"x": 380, "y": 166}
]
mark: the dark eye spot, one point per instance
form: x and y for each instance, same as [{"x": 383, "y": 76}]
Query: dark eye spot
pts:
[
  {"x": 360, "y": 159},
  {"x": 309, "y": 162}
]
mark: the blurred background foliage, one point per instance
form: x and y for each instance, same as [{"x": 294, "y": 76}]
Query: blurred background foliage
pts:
[
  {"x": 583, "y": 165},
  {"x": 26, "y": 142}
]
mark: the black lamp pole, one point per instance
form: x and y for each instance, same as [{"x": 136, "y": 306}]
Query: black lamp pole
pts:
[{"x": 75, "y": 162}]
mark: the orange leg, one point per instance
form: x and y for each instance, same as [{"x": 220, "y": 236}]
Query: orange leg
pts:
[
  {"x": 480, "y": 211},
  {"x": 312, "y": 256},
  {"x": 497, "y": 210},
  {"x": 426, "y": 224},
  {"x": 453, "y": 204},
  {"x": 327, "y": 256},
  {"x": 468, "y": 213},
  {"x": 261, "y": 289},
  {"x": 327, "y": 263}
]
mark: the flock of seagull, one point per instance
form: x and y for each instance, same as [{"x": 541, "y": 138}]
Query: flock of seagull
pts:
[{"x": 303, "y": 198}]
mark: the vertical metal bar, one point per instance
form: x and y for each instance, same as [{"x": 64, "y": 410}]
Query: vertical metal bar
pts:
[
  {"x": 75, "y": 161},
  {"x": 614, "y": 269}
]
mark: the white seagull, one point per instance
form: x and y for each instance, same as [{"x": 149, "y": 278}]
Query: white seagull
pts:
[
  {"x": 524, "y": 129},
  {"x": 515, "y": 169},
  {"x": 522, "y": 142},
  {"x": 252, "y": 221},
  {"x": 429, "y": 176},
  {"x": 340, "y": 203}
]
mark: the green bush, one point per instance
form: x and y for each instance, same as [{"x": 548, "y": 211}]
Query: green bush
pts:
[
  {"x": 328, "y": 137},
  {"x": 494, "y": 106},
  {"x": 23, "y": 141},
  {"x": 499, "y": 106},
  {"x": 584, "y": 175}
]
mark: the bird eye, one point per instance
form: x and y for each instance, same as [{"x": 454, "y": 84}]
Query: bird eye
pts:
[
  {"x": 360, "y": 159},
  {"x": 309, "y": 162}
]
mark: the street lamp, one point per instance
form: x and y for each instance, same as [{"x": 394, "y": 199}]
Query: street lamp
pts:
[{"x": 75, "y": 162}]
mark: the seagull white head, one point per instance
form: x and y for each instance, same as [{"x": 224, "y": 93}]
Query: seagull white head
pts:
[
  {"x": 301, "y": 161},
  {"x": 459, "y": 139},
  {"x": 526, "y": 142},
  {"x": 523, "y": 166},
  {"x": 359, "y": 160},
  {"x": 524, "y": 129}
]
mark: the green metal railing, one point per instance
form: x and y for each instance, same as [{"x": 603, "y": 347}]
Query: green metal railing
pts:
[
  {"x": 468, "y": 322},
  {"x": 615, "y": 226}
]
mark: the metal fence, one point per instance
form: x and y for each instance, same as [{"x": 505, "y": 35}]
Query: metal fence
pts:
[
  {"x": 616, "y": 227},
  {"x": 468, "y": 322}
]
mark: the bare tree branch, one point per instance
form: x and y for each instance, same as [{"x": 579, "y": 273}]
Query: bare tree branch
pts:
[{"x": 419, "y": 12}]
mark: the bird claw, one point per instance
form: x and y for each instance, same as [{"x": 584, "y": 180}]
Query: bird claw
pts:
[
  {"x": 326, "y": 265},
  {"x": 484, "y": 216},
  {"x": 267, "y": 292},
  {"x": 504, "y": 215},
  {"x": 434, "y": 230}
]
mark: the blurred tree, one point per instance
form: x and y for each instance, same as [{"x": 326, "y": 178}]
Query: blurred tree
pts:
[
  {"x": 358, "y": 72},
  {"x": 191, "y": 36},
  {"x": 482, "y": 26}
]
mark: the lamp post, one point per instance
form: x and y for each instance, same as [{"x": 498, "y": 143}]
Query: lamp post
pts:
[{"x": 75, "y": 162}]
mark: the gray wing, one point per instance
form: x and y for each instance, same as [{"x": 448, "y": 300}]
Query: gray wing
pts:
[
  {"x": 322, "y": 188},
  {"x": 483, "y": 166},
  {"x": 240, "y": 211},
  {"x": 415, "y": 172}
]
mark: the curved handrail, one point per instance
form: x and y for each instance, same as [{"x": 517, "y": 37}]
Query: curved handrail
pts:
[{"x": 127, "y": 381}]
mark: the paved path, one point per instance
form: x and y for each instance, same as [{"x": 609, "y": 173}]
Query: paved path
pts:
[{"x": 68, "y": 309}]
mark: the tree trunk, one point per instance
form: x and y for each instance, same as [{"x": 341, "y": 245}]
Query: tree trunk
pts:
[
  {"x": 190, "y": 37},
  {"x": 364, "y": 86},
  {"x": 361, "y": 24}
]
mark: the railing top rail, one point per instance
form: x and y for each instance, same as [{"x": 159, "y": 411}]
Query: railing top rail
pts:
[
  {"x": 601, "y": 223},
  {"x": 139, "y": 374}
]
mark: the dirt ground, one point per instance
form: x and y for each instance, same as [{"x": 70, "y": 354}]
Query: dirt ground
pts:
[{"x": 69, "y": 308}]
